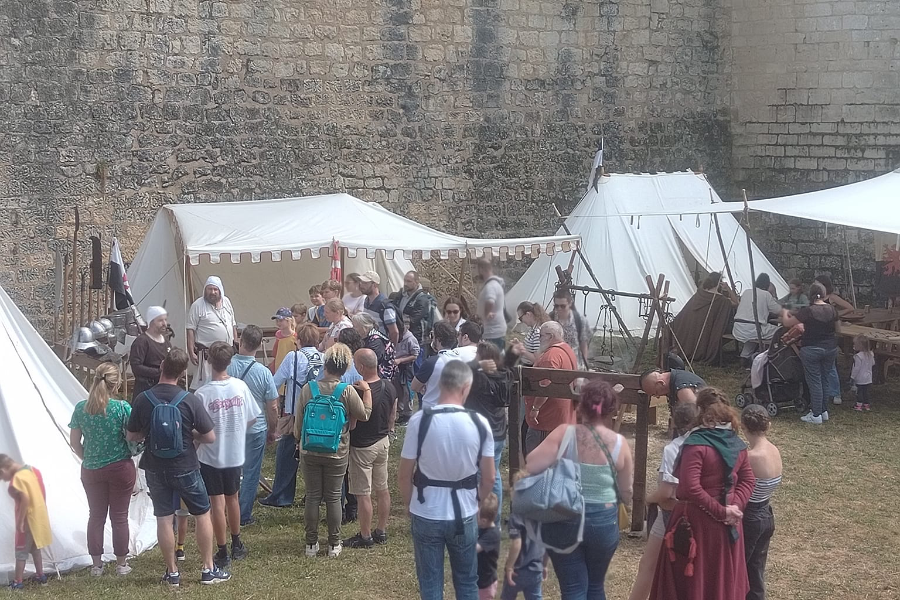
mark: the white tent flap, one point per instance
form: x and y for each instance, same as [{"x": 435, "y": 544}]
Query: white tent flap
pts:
[{"x": 37, "y": 396}]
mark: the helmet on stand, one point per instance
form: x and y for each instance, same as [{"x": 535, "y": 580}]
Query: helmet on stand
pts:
[{"x": 83, "y": 339}]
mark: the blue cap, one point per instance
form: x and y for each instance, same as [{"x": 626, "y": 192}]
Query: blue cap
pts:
[{"x": 283, "y": 313}]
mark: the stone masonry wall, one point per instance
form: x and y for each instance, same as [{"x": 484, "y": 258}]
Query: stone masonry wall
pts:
[
  {"x": 814, "y": 92},
  {"x": 468, "y": 115},
  {"x": 815, "y": 102}
]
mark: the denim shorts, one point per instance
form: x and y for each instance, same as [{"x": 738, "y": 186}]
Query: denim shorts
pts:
[{"x": 167, "y": 486}]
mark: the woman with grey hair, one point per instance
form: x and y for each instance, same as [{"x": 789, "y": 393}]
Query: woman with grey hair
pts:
[{"x": 377, "y": 342}]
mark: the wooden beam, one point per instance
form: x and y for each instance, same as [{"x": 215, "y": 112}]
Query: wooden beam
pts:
[
  {"x": 753, "y": 297},
  {"x": 724, "y": 252},
  {"x": 641, "y": 440}
]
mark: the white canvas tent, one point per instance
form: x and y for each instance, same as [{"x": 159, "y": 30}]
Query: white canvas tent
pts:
[
  {"x": 37, "y": 395},
  {"x": 872, "y": 204},
  {"x": 269, "y": 252},
  {"x": 622, "y": 250}
]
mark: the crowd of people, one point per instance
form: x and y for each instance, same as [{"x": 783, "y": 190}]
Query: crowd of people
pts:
[
  {"x": 348, "y": 370},
  {"x": 813, "y": 316}
]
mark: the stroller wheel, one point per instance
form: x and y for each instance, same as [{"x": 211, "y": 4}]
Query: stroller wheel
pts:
[
  {"x": 742, "y": 400},
  {"x": 772, "y": 409}
]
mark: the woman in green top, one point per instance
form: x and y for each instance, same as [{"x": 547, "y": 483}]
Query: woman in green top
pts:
[
  {"x": 607, "y": 472},
  {"x": 107, "y": 471}
]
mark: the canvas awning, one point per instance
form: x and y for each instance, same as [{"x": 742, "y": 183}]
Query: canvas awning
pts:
[{"x": 873, "y": 204}]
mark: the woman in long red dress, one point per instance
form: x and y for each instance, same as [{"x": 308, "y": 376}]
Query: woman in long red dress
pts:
[{"x": 703, "y": 554}]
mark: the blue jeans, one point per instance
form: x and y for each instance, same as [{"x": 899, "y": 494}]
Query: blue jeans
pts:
[
  {"x": 530, "y": 583},
  {"x": 581, "y": 574},
  {"x": 253, "y": 459},
  {"x": 833, "y": 387},
  {"x": 285, "y": 485},
  {"x": 498, "y": 480},
  {"x": 817, "y": 365},
  {"x": 429, "y": 540}
]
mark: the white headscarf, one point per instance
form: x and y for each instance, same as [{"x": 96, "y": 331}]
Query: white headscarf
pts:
[{"x": 213, "y": 280}]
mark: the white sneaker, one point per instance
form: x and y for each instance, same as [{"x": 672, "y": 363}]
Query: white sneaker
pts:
[
  {"x": 837, "y": 400},
  {"x": 97, "y": 571},
  {"x": 335, "y": 551},
  {"x": 122, "y": 570},
  {"x": 810, "y": 418},
  {"x": 312, "y": 550},
  {"x": 824, "y": 415}
]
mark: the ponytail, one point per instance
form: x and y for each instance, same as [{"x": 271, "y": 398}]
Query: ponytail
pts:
[{"x": 106, "y": 381}]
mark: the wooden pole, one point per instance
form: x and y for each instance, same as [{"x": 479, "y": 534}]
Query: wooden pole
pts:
[
  {"x": 850, "y": 270},
  {"x": 515, "y": 425},
  {"x": 639, "y": 355},
  {"x": 724, "y": 254},
  {"x": 66, "y": 333},
  {"x": 463, "y": 267},
  {"x": 641, "y": 435},
  {"x": 75, "y": 269},
  {"x": 81, "y": 303},
  {"x": 759, "y": 340},
  {"x": 587, "y": 266}
]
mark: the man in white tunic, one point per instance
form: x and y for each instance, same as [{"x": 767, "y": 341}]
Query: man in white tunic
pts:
[{"x": 210, "y": 319}]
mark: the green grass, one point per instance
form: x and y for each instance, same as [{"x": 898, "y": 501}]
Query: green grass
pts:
[{"x": 837, "y": 534}]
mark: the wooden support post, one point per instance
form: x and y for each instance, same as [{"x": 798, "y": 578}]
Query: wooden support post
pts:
[
  {"x": 81, "y": 304},
  {"x": 64, "y": 294},
  {"x": 463, "y": 267},
  {"x": 641, "y": 436},
  {"x": 643, "y": 343},
  {"x": 75, "y": 270},
  {"x": 587, "y": 267},
  {"x": 515, "y": 427}
]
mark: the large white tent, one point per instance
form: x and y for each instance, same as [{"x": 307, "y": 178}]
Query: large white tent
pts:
[
  {"x": 623, "y": 250},
  {"x": 268, "y": 252},
  {"x": 37, "y": 395}
]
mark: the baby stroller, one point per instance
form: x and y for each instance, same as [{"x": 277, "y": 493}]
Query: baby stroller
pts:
[{"x": 783, "y": 382}]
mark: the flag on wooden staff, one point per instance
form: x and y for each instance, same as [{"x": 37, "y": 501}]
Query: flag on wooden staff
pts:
[{"x": 118, "y": 279}]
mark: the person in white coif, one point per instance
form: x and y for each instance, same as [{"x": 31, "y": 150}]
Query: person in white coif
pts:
[{"x": 210, "y": 319}]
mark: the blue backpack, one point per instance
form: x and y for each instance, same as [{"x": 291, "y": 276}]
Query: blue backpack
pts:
[
  {"x": 324, "y": 419},
  {"x": 166, "y": 440}
]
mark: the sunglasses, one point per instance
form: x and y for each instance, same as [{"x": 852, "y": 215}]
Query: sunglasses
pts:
[{"x": 452, "y": 312}]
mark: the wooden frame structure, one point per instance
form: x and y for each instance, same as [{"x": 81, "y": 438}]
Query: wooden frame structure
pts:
[{"x": 557, "y": 383}]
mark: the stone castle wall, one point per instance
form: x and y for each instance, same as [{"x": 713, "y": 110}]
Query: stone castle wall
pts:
[{"x": 468, "y": 115}]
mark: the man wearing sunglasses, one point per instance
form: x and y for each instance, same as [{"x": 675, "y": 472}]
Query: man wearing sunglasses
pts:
[{"x": 576, "y": 331}]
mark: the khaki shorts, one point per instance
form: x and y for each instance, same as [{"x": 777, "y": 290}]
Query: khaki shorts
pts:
[{"x": 369, "y": 468}]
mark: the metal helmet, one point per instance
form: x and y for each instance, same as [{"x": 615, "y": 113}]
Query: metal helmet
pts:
[
  {"x": 83, "y": 339},
  {"x": 98, "y": 329},
  {"x": 107, "y": 324}
]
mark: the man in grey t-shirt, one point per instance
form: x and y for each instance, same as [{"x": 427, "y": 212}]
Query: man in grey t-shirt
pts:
[{"x": 491, "y": 302}]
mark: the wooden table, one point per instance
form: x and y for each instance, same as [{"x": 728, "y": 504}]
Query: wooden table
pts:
[
  {"x": 881, "y": 318},
  {"x": 560, "y": 386},
  {"x": 885, "y": 344}
]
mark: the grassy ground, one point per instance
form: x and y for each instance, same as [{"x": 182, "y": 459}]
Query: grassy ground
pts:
[{"x": 836, "y": 537}]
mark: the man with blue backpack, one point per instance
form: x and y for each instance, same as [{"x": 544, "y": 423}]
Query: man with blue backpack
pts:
[{"x": 170, "y": 420}]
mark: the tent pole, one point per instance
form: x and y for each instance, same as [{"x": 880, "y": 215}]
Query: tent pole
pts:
[
  {"x": 639, "y": 355},
  {"x": 587, "y": 266},
  {"x": 463, "y": 267},
  {"x": 759, "y": 340},
  {"x": 850, "y": 269},
  {"x": 722, "y": 248}
]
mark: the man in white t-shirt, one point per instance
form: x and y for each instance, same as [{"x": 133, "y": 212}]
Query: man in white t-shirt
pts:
[
  {"x": 425, "y": 382},
  {"x": 209, "y": 320},
  {"x": 457, "y": 445},
  {"x": 233, "y": 409},
  {"x": 491, "y": 303}
]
